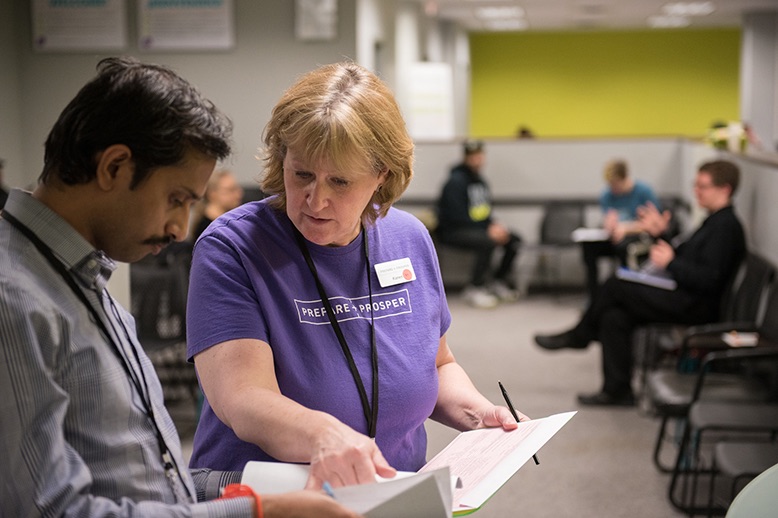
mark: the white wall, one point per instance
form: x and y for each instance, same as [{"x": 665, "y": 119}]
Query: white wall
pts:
[
  {"x": 247, "y": 80},
  {"x": 552, "y": 168},
  {"x": 244, "y": 82},
  {"x": 759, "y": 75},
  {"x": 10, "y": 105}
]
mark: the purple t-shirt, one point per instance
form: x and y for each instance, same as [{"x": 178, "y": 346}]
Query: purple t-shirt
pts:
[{"x": 250, "y": 280}]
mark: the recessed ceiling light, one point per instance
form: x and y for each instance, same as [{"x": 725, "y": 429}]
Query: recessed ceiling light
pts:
[
  {"x": 514, "y": 24},
  {"x": 660, "y": 22},
  {"x": 688, "y": 8},
  {"x": 499, "y": 13}
]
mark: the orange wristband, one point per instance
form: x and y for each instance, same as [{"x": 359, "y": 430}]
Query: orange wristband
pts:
[{"x": 237, "y": 490}]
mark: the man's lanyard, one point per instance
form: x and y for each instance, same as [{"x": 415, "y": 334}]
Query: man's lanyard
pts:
[
  {"x": 137, "y": 379},
  {"x": 371, "y": 414}
]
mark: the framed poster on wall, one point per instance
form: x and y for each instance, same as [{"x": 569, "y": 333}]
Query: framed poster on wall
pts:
[
  {"x": 186, "y": 25},
  {"x": 316, "y": 19},
  {"x": 73, "y": 25}
]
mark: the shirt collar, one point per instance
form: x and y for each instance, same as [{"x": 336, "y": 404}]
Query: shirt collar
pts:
[{"x": 92, "y": 267}]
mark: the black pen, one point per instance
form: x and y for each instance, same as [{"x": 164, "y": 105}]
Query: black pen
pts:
[{"x": 507, "y": 399}]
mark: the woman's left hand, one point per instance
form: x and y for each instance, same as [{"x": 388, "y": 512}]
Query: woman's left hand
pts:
[{"x": 500, "y": 416}]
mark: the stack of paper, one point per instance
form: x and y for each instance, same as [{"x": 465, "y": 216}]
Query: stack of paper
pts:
[
  {"x": 458, "y": 480},
  {"x": 407, "y": 494},
  {"x": 485, "y": 459},
  {"x": 658, "y": 279},
  {"x": 583, "y": 234}
]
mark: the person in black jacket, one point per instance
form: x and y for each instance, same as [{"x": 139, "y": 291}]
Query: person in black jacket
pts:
[
  {"x": 701, "y": 266},
  {"x": 465, "y": 221}
]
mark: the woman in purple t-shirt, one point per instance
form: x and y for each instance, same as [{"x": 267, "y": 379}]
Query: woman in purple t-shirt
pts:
[{"x": 317, "y": 318}]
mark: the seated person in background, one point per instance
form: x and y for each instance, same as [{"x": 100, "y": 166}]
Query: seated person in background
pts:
[
  {"x": 84, "y": 427},
  {"x": 317, "y": 317},
  {"x": 223, "y": 194},
  {"x": 465, "y": 221},
  {"x": 620, "y": 203},
  {"x": 701, "y": 267},
  {"x": 3, "y": 190}
]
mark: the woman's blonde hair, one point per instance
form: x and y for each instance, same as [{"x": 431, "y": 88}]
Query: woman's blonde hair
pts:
[{"x": 342, "y": 114}]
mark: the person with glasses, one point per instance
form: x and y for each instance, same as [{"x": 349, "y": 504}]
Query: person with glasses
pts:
[{"x": 701, "y": 267}]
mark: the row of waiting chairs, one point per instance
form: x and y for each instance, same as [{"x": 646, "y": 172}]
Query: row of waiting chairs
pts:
[
  {"x": 717, "y": 402},
  {"x": 158, "y": 291}
]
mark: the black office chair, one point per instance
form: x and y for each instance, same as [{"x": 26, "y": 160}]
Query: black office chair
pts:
[
  {"x": 736, "y": 463},
  {"x": 158, "y": 292},
  {"x": 711, "y": 421},
  {"x": 560, "y": 219},
  {"x": 658, "y": 344},
  {"x": 734, "y": 392},
  {"x": 671, "y": 392}
]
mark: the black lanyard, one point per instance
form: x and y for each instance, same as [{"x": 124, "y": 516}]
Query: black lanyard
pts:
[
  {"x": 371, "y": 414},
  {"x": 138, "y": 380}
]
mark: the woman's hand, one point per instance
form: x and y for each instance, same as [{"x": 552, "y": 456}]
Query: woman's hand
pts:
[
  {"x": 282, "y": 427},
  {"x": 344, "y": 457},
  {"x": 500, "y": 416}
]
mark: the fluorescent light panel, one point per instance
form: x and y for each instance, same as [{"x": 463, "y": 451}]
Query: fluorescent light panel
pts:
[
  {"x": 662, "y": 22},
  {"x": 499, "y": 13},
  {"x": 688, "y": 8}
]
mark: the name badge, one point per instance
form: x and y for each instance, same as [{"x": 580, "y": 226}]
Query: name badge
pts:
[{"x": 395, "y": 272}]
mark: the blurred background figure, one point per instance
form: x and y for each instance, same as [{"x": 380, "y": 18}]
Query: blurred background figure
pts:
[
  {"x": 465, "y": 220},
  {"x": 3, "y": 190},
  {"x": 223, "y": 194},
  {"x": 620, "y": 202},
  {"x": 524, "y": 132}
]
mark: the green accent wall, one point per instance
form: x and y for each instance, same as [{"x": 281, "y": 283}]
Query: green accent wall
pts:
[{"x": 609, "y": 83}]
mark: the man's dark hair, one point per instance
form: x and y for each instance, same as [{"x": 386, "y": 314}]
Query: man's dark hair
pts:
[
  {"x": 471, "y": 147},
  {"x": 722, "y": 173},
  {"x": 148, "y": 108}
]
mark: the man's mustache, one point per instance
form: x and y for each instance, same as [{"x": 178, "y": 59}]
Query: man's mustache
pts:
[{"x": 164, "y": 241}]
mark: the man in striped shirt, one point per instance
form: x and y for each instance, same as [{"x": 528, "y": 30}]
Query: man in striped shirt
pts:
[{"x": 82, "y": 419}]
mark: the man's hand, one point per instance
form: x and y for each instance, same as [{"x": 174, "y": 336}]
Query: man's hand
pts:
[
  {"x": 611, "y": 221},
  {"x": 304, "y": 504},
  {"x": 661, "y": 253},
  {"x": 653, "y": 221},
  {"x": 498, "y": 233}
]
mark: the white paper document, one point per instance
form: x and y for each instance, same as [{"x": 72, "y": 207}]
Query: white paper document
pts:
[
  {"x": 657, "y": 278},
  {"x": 485, "y": 459},
  {"x": 413, "y": 495},
  {"x": 740, "y": 339},
  {"x": 582, "y": 234},
  {"x": 457, "y": 481}
]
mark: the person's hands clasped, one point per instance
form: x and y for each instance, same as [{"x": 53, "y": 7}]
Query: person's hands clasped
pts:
[
  {"x": 653, "y": 221},
  {"x": 344, "y": 457},
  {"x": 661, "y": 254},
  {"x": 611, "y": 221}
]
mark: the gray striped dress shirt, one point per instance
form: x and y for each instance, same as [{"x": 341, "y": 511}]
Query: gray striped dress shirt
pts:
[{"x": 75, "y": 437}]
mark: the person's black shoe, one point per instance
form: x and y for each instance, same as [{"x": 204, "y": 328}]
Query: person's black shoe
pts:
[
  {"x": 566, "y": 340},
  {"x": 606, "y": 399}
]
